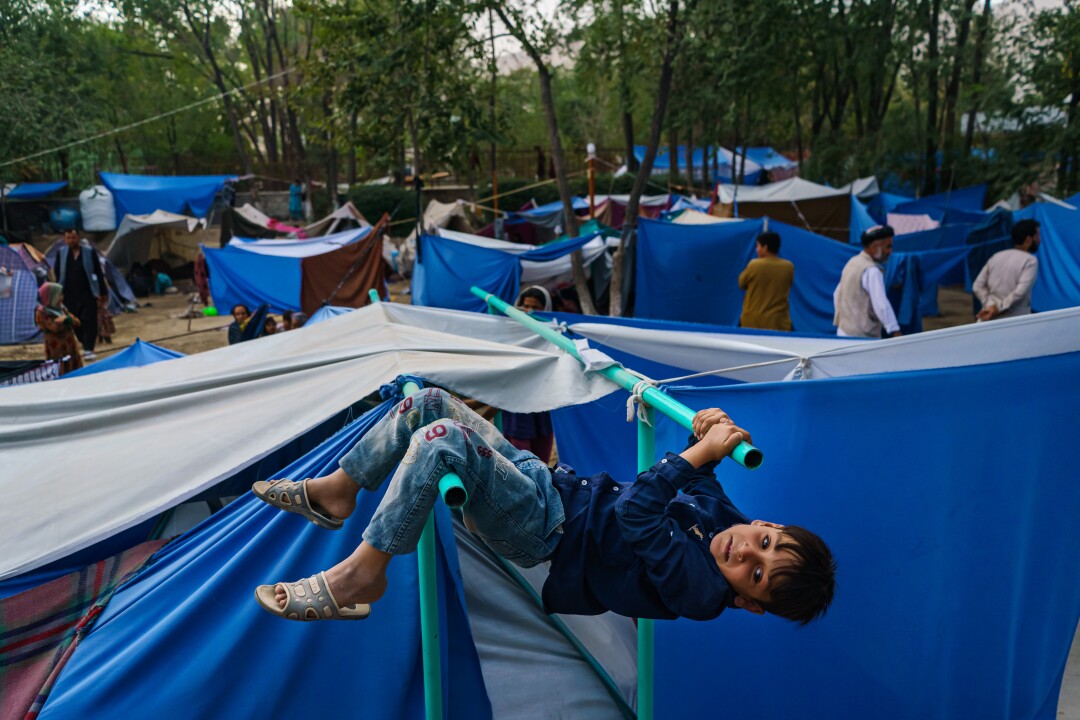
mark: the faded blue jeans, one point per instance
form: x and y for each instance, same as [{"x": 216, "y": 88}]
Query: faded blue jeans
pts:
[{"x": 512, "y": 505}]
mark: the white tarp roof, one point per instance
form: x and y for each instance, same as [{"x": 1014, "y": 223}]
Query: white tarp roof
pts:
[
  {"x": 301, "y": 248},
  {"x": 138, "y": 442},
  {"x": 784, "y": 358},
  {"x": 531, "y": 271},
  {"x": 690, "y": 216},
  {"x": 791, "y": 190}
]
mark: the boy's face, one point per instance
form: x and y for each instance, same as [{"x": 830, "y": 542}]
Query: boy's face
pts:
[{"x": 747, "y": 557}]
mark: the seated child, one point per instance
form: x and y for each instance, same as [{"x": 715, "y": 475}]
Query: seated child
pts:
[{"x": 641, "y": 549}]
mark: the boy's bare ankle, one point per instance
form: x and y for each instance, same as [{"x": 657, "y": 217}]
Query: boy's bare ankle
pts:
[{"x": 335, "y": 495}]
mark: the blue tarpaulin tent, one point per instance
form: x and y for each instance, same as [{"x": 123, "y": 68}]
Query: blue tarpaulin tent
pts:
[
  {"x": 446, "y": 269},
  {"x": 256, "y": 272},
  {"x": 703, "y": 163},
  {"x": 33, "y": 191},
  {"x": 139, "y": 354},
  {"x": 183, "y": 195}
]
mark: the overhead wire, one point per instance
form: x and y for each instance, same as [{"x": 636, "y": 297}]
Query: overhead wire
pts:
[{"x": 146, "y": 121}]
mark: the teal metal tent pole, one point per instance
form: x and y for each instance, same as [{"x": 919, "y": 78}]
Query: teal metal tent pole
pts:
[
  {"x": 646, "y": 456},
  {"x": 453, "y": 493},
  {"x": 373, "y": 294},
  {"x": 745, "y": 454}
]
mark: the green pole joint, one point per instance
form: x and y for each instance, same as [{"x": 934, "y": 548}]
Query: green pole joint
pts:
[
  {"x": 745, "y": 454},
  {"x": 373, "y": 294}
]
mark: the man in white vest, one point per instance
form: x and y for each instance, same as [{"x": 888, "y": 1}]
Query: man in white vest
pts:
[{"x": 862, "y": 309}]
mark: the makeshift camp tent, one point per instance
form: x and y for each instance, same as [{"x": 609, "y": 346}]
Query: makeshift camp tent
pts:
[
  {"x": 138, "y": 354},
  {"x": 611, "y": 209},
  {"x": 160, "y": 234},
  {"x": 346, "y": 217},
  {"x": 1058, "y": 282},
  {"x": 449, "y": 264},
  {"x": 326, "y": 312},
  {"x": 705, "y": 164},
  {"x": 145, "y": 194},
  {"x": 776, "y": 166},
  {"x": 297, "y": 274},
  {"x": 22, "y": 268},
  {"x": 796, "y": 202}
]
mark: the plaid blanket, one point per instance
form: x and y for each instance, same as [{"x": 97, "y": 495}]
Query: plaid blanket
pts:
[{"x": 40, "y": 628}]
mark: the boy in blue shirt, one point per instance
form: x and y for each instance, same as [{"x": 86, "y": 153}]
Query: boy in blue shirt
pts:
[{"x": 670, "y": 544}]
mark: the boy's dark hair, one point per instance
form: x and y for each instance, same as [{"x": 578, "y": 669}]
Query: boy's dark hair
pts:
[
  {"x": 240, "y": 305},
  {"x": 803, "y": 590},
  {"x": 534, "y": 294},
  {"x": 770, "y": 240},
  {"x": 1024, "y": 229}
]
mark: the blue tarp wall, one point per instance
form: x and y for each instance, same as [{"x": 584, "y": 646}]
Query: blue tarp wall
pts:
[
  {"x": 186, "y": 637},
  {"x": 142, "y": 194},
  {"x": 1058, "y": 283},
  {"x": 690, "y": 273},
  {"x": 445, "y": 270},
  {"x": 957, "y": 594},
  {"x": 140, "y": 353},
  {"x": 238, "y": 276}
]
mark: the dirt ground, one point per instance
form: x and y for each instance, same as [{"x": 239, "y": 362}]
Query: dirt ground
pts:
[{"x": 156, "y": 322}]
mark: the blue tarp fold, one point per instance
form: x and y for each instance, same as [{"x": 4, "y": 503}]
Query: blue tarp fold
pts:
[
  {"x": 139, "y": 354},
  {"x": 33, "y": 191},
  {"x": 1058, "y": 283}
]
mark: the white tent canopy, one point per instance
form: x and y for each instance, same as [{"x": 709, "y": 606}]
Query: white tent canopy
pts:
[
  {"x": 301, "y": 248},
  {"x": 139, "y": 442},
  {"x": 792, "y": 190},
  {"x": 776, "y": 357}
]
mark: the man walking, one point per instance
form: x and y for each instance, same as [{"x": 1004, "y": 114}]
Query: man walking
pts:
[
  {"x": 767, "y": 281},
  {"x": 862, "y": 309},
  {"x": 80, "y": 273},
  {"x": 1005, "y": 282}
]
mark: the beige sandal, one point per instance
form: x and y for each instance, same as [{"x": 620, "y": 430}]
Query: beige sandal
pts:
[
  {"x": 293, "y": 497},
  {"x": 309, "y": 599}
]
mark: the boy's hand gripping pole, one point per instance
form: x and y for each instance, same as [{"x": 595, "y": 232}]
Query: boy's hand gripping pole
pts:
[{"x": 745, "y": 454}]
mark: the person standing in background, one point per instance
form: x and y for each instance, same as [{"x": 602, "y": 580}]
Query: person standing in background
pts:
[
  {"x": 80, "y": 275},
  {"x": 1004, "y": 284},
  {"x": 767, "y": 282}
]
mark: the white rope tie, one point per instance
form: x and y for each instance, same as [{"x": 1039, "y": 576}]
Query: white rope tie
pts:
[
  {"x": 637, "y": 400},
  {"x": 805, "y": 362}
]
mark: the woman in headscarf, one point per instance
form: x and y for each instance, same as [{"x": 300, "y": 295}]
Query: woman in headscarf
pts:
[
  {"x": 58, "y": 326},
  {"x": 531, "y": 431}
]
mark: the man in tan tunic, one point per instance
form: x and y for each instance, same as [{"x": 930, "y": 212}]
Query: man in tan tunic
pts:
[
  {"x": 767, "y": 282},
  {"x": 1005, "y": 282}
]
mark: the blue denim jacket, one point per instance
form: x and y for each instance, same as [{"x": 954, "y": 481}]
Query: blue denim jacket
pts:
[{"x": 641, "y": 549}]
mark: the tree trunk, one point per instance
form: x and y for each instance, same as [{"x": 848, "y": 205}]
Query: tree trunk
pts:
[
  {"x": 690, "y": 155},
  {"x": 976, "y": 77},
  {"x": 558, "y": 158},
  {"x": 932, "y": 56},
  {"x": 952, "y": 94},
  {"x": 625, "y": 96},
  {"x": 673, "y": 41},
  {"x": 797, "y": 115},
  {"x": 673, "y": 153}
]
